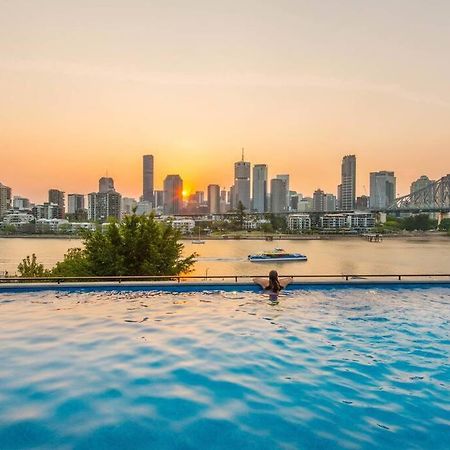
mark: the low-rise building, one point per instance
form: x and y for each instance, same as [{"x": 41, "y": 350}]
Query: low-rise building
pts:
[
  {"x": 299, "y": 222},
  {"x": 185, "y": 226}
]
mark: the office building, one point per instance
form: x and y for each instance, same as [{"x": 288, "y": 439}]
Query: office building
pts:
[
  {"x": 330, "y": 202},
  {"x": 259, "y": 193},
  {"x": 5, "y": 200},
  {"x": 128, "y": 206},
  {"x": 105, "y": 184},
  {"x": 105, "y": 204},
  {"x": 420, "y": 183},
  {"x": 319, "y": 200},
  {"x": 214, "y": 199},
  {"x": 147, "y": 178},
  {"x": 75, "y": 203},
  {"x": 382, "y": 189},
  {"x": 285, "y": 179},
  {"x": 241, "y": 191},
  {"x": 362, "y": 203},
  {"x": 347, "y": 188},
  {"x": 278, "y": 196},
  {"x": 56, "y": 197},
  {"x": 173, "y": 194},
  {"x": 21, "y": 203}
]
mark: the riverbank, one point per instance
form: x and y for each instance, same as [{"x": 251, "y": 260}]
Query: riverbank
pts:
[{"x": 259, "y": 237}]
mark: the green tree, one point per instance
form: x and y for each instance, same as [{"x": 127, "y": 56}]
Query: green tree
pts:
[
  {"x": 420, "y": 222},
  {"x": 29, "y": 267},
  {"x": 444, "y": 225},
  {"x": 240, "y": 215},
  {"x": 139, "y": 245}
]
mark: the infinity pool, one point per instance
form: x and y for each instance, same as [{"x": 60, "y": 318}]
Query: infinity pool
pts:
[{"x": 341, "y": 368}]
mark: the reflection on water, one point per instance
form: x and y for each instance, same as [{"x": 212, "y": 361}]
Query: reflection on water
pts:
[{"x": 351, "y": 255}]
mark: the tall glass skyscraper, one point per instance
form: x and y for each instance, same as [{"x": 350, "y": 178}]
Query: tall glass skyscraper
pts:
[
  {"x": 242, "y": 183},
  {"x": 259, "y": 200},
  {"x": 347, "y": 188},
  {"x": 382, "y": 189},
  {"x": 173, "y": 194},
  {"x": 147, "y": 178}
]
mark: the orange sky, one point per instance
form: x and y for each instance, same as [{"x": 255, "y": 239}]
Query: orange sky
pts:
[{"x": 87, "y": 87}]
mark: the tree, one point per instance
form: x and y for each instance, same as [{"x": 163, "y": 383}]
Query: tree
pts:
[
  {"x": 139, "y": 245},
  {"x": 444, "y": 225},
  {"x": 29, "y": 267},
  {"x": 240, "y": 215}
]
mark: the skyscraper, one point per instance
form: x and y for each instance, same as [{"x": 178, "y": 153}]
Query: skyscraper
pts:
[
  {"x": 57, "y": 197},
  {"x": 214, "y": 199},
  {"x": 242, "y": 183},
  {"x": 5, "y": 199},
  {"x": 382, "y": 189},
  {"x": 75, "y": 203},
  {"x": 285, "y": 179},
  {"x": 348, "y": 183},
  {"x": 105, "y": 184},
  {"x": 106, "y": 203},
  {"x": 278, "y": 196},
  {"x": 259, "y": 200},
  {"x": 319, "y": 200},
  {"x": 420, "y": 183},
  {"x": 147, "y": 178},
  {"x": 173, "y": 194}
]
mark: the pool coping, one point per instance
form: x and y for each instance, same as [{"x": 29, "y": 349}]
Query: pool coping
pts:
[{"x": 201, "y": 286}]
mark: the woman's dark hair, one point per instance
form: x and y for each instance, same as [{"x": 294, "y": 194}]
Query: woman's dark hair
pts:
[{"x": 274, "y": 284}]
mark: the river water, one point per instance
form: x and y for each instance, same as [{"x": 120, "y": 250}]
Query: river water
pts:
[{"x": 218, "y": 257}]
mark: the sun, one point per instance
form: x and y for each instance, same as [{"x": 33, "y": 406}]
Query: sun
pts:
[{"x": 185, "y": 193}]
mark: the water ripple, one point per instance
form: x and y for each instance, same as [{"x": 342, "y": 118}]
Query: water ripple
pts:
[{"x": 333, "y": 369}]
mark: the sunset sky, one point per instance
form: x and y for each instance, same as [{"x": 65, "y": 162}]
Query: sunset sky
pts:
[{"x": 87, "y": 87}]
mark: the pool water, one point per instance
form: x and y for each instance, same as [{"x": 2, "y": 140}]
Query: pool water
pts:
[{"x": 353, "y": 369}]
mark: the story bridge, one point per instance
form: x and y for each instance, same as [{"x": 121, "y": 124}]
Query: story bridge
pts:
[{"x": 435, "y": 197}]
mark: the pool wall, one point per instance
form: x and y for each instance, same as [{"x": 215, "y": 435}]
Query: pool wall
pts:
[{"x": 215, "y": 286}]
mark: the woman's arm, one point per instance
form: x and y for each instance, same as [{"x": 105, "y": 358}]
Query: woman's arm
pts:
[
  {"x": 263, "y": 282},
  {"x": 285, "y": 281}
]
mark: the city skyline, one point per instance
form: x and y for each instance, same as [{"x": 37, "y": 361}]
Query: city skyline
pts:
[
  {"x": 298, "y": 84},
  {"x": 189, "y": 187}
]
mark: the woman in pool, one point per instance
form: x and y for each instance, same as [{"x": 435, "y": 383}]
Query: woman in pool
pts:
[{"x": 273, "y": 284}]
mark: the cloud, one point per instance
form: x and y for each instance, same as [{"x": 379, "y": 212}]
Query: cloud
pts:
[{"x": 117, "y": 74}]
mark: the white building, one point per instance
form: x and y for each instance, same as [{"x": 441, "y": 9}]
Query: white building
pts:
[
  {"x": 333, "y": 221},
  {"x": 185, "y": 226},
  {"x": 361, "y": 221},
  {"x": 299, "y": 222}
]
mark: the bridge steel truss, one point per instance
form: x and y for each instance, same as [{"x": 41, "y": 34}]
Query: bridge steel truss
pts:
[{"x": 433, "y": 198}]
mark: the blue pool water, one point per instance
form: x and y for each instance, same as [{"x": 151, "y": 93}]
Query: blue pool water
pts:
[{"x": 330, "y": 369}]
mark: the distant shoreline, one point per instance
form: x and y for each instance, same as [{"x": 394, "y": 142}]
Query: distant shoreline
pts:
[{"x": 271, "y": 238}]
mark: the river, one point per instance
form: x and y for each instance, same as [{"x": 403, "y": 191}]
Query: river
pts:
[{"x": 219, "y": 257}]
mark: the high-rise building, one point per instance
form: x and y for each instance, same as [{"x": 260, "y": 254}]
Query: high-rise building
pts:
[
  {"x": 285, "y": 179},
  {"x": 330, "y": 202},
  {"x": 56, "y": 197},
  {"x": 158, "y": 197},
  {"x": 147, "y": 178},
  {"x": 259, "y": 200},
  {"x": 347, "y": 189},
  {"x": 173, "y": 194},
  {"x": 362, "y": 203},
  {"x": 105, "y": 184},
  {"x": 382, "y": 189},
  {"x": 420, "y": 183},
  {"x": 75, "y": 203},
  {"x": 21, "y": 203},
  {"x": 128, "y": 206},
  {"x": 105, "y": 204},
  {"x": 5, "y": 199},
  {"x": 214, "y": 199},
  {"x": 242, "y": 183},
  {"x": 278, "y": 196},
  {"x": 319, "y": 198}
]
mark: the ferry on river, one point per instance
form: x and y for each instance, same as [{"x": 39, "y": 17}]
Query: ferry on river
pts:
[{"x": 278, "y": 255}]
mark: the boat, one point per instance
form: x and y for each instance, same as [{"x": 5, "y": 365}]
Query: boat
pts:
[
  {"x": 198, "y": 241},
  {"x": 278, "y": 255}
]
